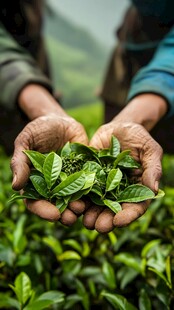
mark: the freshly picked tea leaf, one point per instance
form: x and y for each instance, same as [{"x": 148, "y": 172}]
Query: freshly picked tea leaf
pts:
[{"x": 78, "y": 171}]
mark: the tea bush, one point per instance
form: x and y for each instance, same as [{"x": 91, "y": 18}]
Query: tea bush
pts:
[{"x": 46, "y": 265}]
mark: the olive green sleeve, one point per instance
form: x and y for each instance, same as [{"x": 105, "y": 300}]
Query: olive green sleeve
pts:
[{"x": 17, "y": 69}]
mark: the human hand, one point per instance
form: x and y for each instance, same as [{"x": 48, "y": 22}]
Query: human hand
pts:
[
  {"x": 145, "y": 150},
  {"x": 45, "y": 134}
]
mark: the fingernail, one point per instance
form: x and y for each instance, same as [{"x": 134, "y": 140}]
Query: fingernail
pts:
[
  {"x": 14, "y": 180},
  {"x": 156, "y": 186}
]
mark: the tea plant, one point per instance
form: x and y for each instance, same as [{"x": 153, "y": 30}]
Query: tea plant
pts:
[
  {"x": 79, "y": 171},
  {"x": 129, "y": 268}
]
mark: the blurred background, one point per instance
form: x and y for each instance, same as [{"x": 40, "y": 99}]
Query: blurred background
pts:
[
  {"x": 80, "y": 38},
  {"x": 49, "y": 266}
]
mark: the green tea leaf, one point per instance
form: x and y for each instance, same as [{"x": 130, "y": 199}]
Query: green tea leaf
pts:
[
  {"x": 71, "y": 300},
  {"x": 84, "y": 149},
  {"x": 168, "y": 270},
  {"x": 55, "y": 296},
  {"x": 51, "y": 168},
  {"x": 40, "y": 185},
  {"x": 36, "y": 158},
  {"x": 96, "y": 199},
  {"x": 70, "y": 185},
  {"x": 160, "y": 194},
  {"x": 7, "y": 302},
  {"x": 54, "y": 244},
  {"x": 79, "y": 194},
  {"x": 66, "y": 150},
  {"x": 128, "y": 162},
  {"x": 39, "y": 305},
  {"x": 128, "y": 275},
  {"x": 17, "y": 196},
  {"x": 97, "y": 190},
  {"x": 92, "y": 166},
  {"x": 113, "y": 205},
  {"x": 109, "y": 274},
  {"x": 136, "y": 193},
  {"x": 120, "y": 157},
  {"x": 115, "y": 147},
  {"x": 160, "y": 275},
  {"x": 62, "y": 203},
  {"x": 118, "y": 301},
  {"x": 144, "y": 301},
  {"x": 149, "y": 246},
  {"x": 113, "y": 179},
  {"x": 22, "y": 287},
  {"x": 67, "y": 255},
  {"x": 104, "y": 153},
  {"x": 73, "y": 244},
  {"x": 31, "y": 192},
  {"x": 63, "y": 176},
  {"x": 90, "y": 177},
  {"x": 129, "y": 260},
  {"x": 19, "y": 241}
]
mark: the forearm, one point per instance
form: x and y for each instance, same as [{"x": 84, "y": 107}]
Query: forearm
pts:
[
  {"x": 157, "y": 77},
  {"x": 144, "y": 109},
  {"x": 35, "y": 100}
]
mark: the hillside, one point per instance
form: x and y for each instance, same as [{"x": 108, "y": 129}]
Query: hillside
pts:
[
  {"x": 67, "y": 32},
  {"x": 100, "y": 17},
  {"x": 77, "y": 60}
]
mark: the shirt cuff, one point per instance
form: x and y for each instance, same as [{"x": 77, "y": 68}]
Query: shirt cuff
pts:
[
  {"x": 15, "y": 76},
  {"x": 155, "y": 82}
]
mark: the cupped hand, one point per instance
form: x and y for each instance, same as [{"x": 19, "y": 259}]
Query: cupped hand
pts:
[
  {"x": 146, "y": 151},
  {"x": 46, "y": 134}
]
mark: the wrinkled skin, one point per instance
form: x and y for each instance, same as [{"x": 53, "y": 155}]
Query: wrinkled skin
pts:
[
  {"x": 45, "y": 134},
  {"x": 146, "y": 151}
]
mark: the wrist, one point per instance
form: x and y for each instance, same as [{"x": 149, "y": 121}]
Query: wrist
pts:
[
  {"x": 35, "y": 101},
  {"x": 144, "y": 109}
]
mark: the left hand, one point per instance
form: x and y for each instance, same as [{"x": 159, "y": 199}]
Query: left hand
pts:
[
  {"x": 45, "y": 134},
  {"x": 145, "y": 150}
]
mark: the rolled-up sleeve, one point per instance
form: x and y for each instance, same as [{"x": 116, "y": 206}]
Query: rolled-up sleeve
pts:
[
  {"x": 17, "y": 69},
  {"x": 158, "y": 76}
]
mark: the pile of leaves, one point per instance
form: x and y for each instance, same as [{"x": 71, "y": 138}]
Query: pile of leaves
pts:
[{"x": 79, "y": 171}]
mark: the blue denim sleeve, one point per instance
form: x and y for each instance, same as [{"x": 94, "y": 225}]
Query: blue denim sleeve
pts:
[{"x": 158, "y": 76}]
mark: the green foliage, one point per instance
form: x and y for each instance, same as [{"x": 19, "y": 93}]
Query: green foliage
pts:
[
  {"x": 26, "y": 296},
  {"x": 46, "y": 265},
  {"x": 80, "y": 171}
]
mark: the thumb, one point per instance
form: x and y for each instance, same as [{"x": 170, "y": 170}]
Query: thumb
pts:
[{"x": 20, "y": 166}]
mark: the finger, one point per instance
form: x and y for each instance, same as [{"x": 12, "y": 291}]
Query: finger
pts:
[
  {"x": 91, "y": 216},
  {"x": 104, "y": 222},
  {"x": 20, "y": 164},
  {"x": 101, "y": 139},
  {"x": 68, "y": 217},
  {"x": 152, "y": 167},
  {"x": 129, "y": 213},
  {"x": 43, "y": 209},
  {"x": 78, "y": 207},
  {"x": 75, "y": 132}
]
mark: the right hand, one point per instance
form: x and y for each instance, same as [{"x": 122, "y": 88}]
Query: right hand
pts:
[
  {"x": 45, "y": 134},
  {"x": 145, "y": 150}
]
